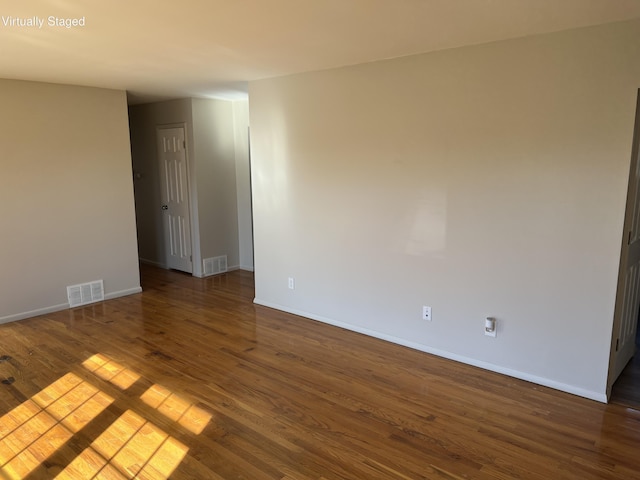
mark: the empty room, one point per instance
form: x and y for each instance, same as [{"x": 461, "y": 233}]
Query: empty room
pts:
[{"x": 345, "y": 239}]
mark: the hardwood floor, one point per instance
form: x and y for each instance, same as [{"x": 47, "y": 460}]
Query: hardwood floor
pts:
[{"x": 191, "y": 380}]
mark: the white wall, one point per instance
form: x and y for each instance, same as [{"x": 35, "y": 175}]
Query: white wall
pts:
[
  {"x": 67, "y": 196},
  {"x": 214, "y": 160},
  {"x": 482, "y": 181},
  {"x": 243, "y": 182}
]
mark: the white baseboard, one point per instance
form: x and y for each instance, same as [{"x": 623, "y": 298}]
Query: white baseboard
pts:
[
  {"x": 34, "y": 313},
  {"x": 246, "y": 268},
  {"x": 122, "y": 293},
  {"x": 63, "y": 306},
  {"x": 572, "y": 389}
]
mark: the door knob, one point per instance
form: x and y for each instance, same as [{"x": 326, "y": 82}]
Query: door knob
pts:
[{"x": 165, "y": 207}]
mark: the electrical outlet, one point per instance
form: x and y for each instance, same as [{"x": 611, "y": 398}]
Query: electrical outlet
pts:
[
  {"x": 490, "y": 327},
  {"x": 426, "y": 313},
  {"x": 292, "y": 283}
]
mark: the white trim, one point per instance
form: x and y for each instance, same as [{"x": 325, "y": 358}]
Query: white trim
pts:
[
  {"x": 123, "y": 293},
  {"x": 34, "y": 313},
  {"x": 63, "y": 306},
  {"x": 246, "y": 268},
  {"x": 581, "y": 392}
]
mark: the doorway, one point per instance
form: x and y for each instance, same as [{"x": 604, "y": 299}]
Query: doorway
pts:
[
  {"x": 209, "y": 180},
  {"x": 626, "y": 389}
]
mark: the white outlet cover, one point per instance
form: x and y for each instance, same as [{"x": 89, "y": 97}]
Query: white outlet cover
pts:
[
  {"x": 491, "y": 333},
  {"x": 292, "y": 283},
  {"x": 426, "y": 313}
]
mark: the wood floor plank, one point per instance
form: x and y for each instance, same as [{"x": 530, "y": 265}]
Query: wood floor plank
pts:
[{"x": 191, "y": 380}]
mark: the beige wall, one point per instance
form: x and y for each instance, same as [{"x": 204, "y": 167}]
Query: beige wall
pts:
[
  {"x": 481, "y": 181},
  {"x": 67, "y": 196}
]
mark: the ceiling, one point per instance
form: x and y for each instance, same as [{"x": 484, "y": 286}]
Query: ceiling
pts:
[{"x": 212, "y": 48}]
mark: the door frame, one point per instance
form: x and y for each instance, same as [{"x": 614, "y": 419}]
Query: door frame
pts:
[
  {"x": 196, "y": 262},
  {"x": 612, "y": 375}
]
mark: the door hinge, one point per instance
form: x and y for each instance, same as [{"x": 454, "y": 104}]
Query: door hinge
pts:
[
  {"x": 184, "y": 144},
  {"x": 617, "y": 343},
  {"x": 191, "y": 258},
  {"x": 629, "y": 239}
]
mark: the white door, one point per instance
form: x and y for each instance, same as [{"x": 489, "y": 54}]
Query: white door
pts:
[
  {"x": 628, "y": 296},
  {"x": 175, "y": 198}
]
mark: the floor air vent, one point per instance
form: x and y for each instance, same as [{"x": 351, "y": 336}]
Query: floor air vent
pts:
[
  {"x": 85, "y": 293},
  {"x": 214, "y": 265}
]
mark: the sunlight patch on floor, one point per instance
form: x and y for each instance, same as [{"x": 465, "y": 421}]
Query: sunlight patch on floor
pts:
[
  {"x": 130, "y": 447},
  {"x": 177, "y": 409},
  {"x": 36, "y": 429},
  {"x": 111, "y": 371}
]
